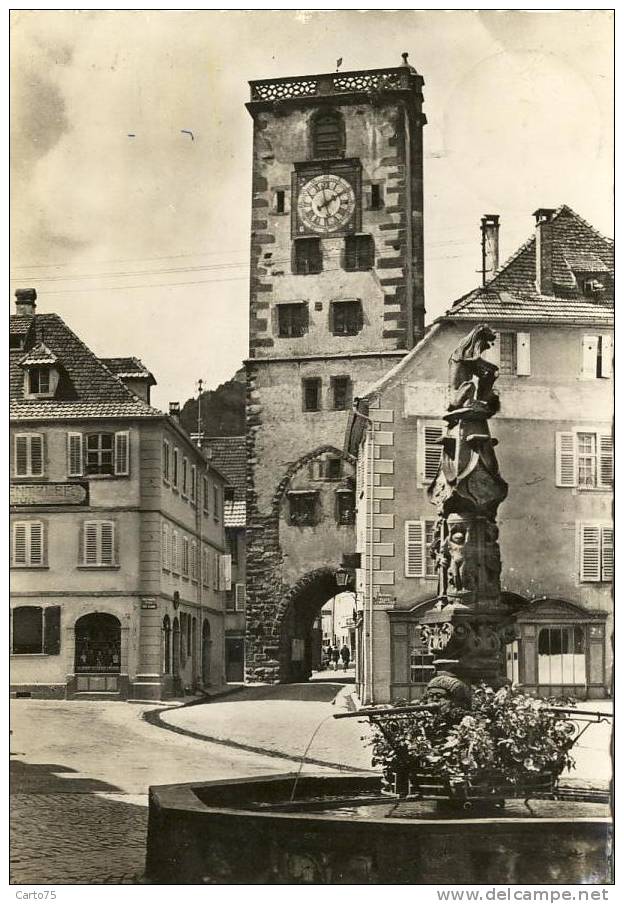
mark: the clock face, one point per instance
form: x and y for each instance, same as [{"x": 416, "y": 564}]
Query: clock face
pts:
[{"x": 325, "y": 204}]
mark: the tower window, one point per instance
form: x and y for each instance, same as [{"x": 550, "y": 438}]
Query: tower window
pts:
[
  {"x": 292, "y": 320},
  {"x": 302, "y": 507},
  {"x": 341, "y": 393},
  {"x": 307, "y": 257},
  {"x": 280, "y": 201},
  {"x": 311, "y": 393},
  {"x": 328, "y": 135},
  {"x": 346, "y": 317},
  {"x": 359, "y": 252},
  {"x": 345, "y": 505},
  {"x": 376, "y": 197}
]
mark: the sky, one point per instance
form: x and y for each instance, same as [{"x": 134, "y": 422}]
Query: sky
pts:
[{"x": 131, "y": 153}]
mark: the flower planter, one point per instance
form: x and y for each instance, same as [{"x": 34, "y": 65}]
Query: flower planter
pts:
[{"x": 491, "y": 787}]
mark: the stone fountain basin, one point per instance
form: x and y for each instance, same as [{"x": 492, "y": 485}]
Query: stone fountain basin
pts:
[{"x": 342, "y": 831}]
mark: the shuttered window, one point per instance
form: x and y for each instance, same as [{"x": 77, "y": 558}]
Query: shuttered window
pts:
[
  {"x": 74, "y": 455},
  {"x": 226, "y": 561},
  {"x": 185, "y": 556},
  {"x": 432, "y": 451},
  {"x": 166, "y": 461},
  {"x": 184, "y": 477},
  {"x": 597, "y": 356},
  {"x": 193, "y": 560},
  {"x": 418, "y": 538},
  {"x": 584, "y": 459},
  {"x": 205, "y": 567},
  {"x": 328, "y": 135},
  {"x": 29, "y": 455},
  {"x": 596, "y": 552},
  {"x": 239, "y": 597},
  {"x": 36, "y": 630},
  {"x": 175, "y": 476},
  {"x": 414, "y": 549},
  {"x": 193, "y": 484},
  {"x": 98, "y": 544},
  {"x": 164, "y": 547},
  {"x": 174, "y": 551},
  {"x": 29, "y": 543},
  {"x": 206, "y": 496}
]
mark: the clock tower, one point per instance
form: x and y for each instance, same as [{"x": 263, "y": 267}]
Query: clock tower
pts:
[{"x": 336, "y": 299}]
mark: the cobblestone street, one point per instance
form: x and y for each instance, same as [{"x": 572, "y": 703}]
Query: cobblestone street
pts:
[{"x": 80, "y": 773}]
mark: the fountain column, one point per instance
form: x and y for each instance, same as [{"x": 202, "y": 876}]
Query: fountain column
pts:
[{"x": 469, "y": 626}]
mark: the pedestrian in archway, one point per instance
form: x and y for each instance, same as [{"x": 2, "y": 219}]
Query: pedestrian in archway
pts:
[
  {"x": 335, "y": 655},
  {"x": 345, "y": 655}
]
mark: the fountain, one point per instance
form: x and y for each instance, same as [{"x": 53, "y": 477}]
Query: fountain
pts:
[{"x": 343, "y": 829}]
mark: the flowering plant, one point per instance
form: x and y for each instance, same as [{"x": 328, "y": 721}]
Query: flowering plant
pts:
[{"x": 507, "y": 739}]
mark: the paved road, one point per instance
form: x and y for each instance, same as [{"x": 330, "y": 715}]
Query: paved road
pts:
[
  {"x": 79, "y": 778},
  {"x": 81, "y": 770}
]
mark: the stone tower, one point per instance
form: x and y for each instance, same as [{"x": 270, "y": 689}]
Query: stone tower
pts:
[{"x": 336, "y": 299}]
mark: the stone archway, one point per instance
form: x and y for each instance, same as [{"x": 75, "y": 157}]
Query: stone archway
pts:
[{"x": 295, "y": 615}]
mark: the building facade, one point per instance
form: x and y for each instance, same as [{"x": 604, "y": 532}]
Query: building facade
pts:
[
  {"x": 551, "y": 306},
  {"x": 118, "y": 559},
  {"x": 227, "y": 454},
  {"x": 336, "y": 299}
]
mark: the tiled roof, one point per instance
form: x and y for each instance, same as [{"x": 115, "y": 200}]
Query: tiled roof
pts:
[
  {"x": 20, "y": 324},
  {"x": 235, "y": 514},
  {"x": 87, "y": 388},
  {"x": 229, "y": 455},
  {"x": 521, "y": 306},
  {"x": 39, "y": 354},
  {"x": 511, "y": 294},
  {"x": 128, "y": 368}
]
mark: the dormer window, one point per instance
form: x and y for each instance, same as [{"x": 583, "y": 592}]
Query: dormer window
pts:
[
  {"x": 39, "y": 380},
  {"x": 41, "y": 373}
]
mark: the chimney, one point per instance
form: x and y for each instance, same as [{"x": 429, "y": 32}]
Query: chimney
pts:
[
  {"x": 25, "y": 302},
  {"x": 489, "y": 245},
  {"x": 174, "y": 410},
  {"x": 543, "y": 250}
]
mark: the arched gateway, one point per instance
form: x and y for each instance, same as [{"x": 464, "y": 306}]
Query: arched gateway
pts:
[
  {"x": 296, "y": 615},
  {"x": 293, "y": 555}
]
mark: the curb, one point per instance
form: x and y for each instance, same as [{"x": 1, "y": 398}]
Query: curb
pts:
[{"x": 153, "y": 718}]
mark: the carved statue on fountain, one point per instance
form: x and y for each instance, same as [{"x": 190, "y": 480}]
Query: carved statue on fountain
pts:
[{"x": 470, "y": 623}]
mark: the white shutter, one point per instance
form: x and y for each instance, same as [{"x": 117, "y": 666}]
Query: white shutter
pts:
[
  {"x": 590, "y": 552},
  {"x": 605, "y": 459},
  {"x": 523, "y": 354},
  {"x": 19, "y": 542},
  {"x": 74, "y": 454},
  {"x": 21, "y": 455},
  {"x": 590, "y": 357},
  {"x": 432, "y": 451},
  {"x": 606, "y": 356},
  {"x": 565, "y": 459},
  {"x": 607, "y": 553},
  {"x": 239, "y": 597},
  {"x": 185, "y": 556},
  {"x": 227, "y": 572},
  {"x": 122, "y": 453},
  {"x": 174, "y": 550},
  {"x": 107, "y": 543},
  {"x": 90, "y": 543},
  {"x": 36, "y": 543},
  {"x": 414, "y": 549}
]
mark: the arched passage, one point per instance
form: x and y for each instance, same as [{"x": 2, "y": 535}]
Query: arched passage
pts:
[{"x": 297, "y": 613}]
